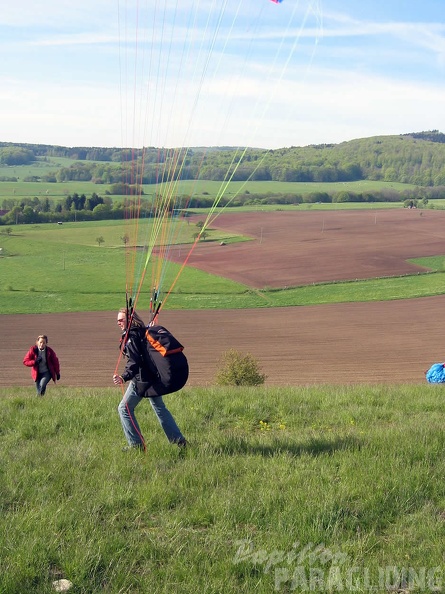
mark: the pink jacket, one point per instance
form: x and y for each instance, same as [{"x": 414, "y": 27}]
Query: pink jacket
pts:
[{"x": 30, "y": 360}]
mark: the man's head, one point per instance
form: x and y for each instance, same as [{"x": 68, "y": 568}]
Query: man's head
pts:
[
  {"x": 41, "y": 341},
  {"x": 122, "y": 319},
  {"x": 135, "y": 319}
]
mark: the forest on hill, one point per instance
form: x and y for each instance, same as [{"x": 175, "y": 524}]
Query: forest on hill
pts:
[{"x": 416, "y": 158}]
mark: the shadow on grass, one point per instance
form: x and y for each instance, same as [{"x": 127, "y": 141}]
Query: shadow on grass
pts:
[{"x": 314, "y": 447}]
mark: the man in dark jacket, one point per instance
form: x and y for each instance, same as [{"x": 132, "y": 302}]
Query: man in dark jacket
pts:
[{"x": 137, "y": 371}]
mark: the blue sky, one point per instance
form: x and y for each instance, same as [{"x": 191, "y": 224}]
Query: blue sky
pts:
[{"x": 219, "y": 72}]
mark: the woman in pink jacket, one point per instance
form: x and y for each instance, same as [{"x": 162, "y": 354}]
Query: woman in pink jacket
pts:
[{"x": 43, "y": 362}]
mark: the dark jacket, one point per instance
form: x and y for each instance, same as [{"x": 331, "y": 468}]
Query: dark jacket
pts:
[
  {"x": 30, "y": 360},
  {"x": 136, "y": 367}
]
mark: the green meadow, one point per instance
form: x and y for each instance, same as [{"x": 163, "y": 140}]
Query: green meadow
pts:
[
  {"x": 63, "y": 268},
  {"x": 309, "y": 489},
  {"x": 59, "y": 190}
]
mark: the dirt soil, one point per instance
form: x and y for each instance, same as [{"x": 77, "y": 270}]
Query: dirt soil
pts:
[
  {"x": 350, "y": 343},
  {"x": 300, "y": 248}
]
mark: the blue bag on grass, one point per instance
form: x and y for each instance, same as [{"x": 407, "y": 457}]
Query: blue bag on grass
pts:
[{"x": 436, "y": 374}]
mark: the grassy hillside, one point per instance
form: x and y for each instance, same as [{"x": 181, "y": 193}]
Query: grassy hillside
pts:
[{"x": 285, "y": 490}]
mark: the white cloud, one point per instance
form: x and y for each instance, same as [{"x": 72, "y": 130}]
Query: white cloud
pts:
[
  {"x": 75, "y": 39},
  {"x": 330, "y": 106},
  {"x": 56, "y": 13}
]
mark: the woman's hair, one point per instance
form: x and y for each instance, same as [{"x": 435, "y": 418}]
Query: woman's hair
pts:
[
  {"x": 44, "y": 336},
  {"x": 136, "y": 320}
]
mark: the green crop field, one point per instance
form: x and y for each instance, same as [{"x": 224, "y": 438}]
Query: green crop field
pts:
[
  {"x": 39, "y": 167},
  {"x": 208, "y": 188},
  {"x": 263, "y": 187}
]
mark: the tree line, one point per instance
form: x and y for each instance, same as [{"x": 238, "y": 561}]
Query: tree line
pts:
[
  {"x": 77, "y": 207},
  {"x": 416, "y": 158}
]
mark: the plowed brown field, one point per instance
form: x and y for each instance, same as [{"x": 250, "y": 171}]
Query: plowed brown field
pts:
[
  {"x": 299, "y": 248},
  {"x": 377, "y": 342}
]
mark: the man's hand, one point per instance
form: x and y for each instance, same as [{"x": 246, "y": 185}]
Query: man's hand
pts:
[{"x": 117, "y": 380}]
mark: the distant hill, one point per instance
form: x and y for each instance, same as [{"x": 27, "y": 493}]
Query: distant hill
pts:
[{"x": 416, "y": 158}]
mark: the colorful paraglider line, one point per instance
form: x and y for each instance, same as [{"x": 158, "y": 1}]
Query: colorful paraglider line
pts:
[{"x": 148, "y": 91}]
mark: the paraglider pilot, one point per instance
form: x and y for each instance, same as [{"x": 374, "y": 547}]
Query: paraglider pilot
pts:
[{"x": 137, "y": 372}]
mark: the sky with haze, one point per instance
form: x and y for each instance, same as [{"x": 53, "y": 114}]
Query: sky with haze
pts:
[{"x": 219, "y": 72}]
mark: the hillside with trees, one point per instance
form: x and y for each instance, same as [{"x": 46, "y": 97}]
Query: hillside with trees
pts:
[{"x": 417, "y": 158}]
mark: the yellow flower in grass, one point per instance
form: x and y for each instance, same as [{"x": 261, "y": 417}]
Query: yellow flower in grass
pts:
[{"x": 264, "y": 426}]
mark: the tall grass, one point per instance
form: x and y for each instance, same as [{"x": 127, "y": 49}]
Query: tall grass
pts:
[{"x": 336, "y": 486}]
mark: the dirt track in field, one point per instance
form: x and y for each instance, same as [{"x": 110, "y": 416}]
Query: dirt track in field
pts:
[{"x": 377, "y": 342}]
